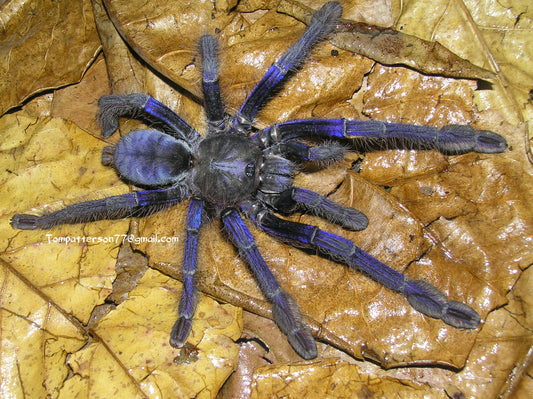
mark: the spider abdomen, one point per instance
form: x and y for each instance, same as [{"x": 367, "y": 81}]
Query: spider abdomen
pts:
[
  {"x": 151, "y": 158},
  {"x": 226, "y": 170}
]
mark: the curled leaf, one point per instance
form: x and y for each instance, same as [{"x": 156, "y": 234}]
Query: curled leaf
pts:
[{"x": 392, "y": 47}]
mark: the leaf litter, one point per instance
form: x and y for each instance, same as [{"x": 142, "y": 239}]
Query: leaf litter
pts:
[{"x": 456, "y": 212}]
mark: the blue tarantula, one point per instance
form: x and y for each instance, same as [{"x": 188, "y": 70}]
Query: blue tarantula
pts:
[{"x": 238, "y": 170}]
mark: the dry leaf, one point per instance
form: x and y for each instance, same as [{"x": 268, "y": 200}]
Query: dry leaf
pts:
[
  {"x": 131, "y": 349},
  {"x": 334, "y": 379},
  {"x": 460, "y": 222},
  {"x": 392, "y": 47},
  {"x": 37, "y": 39}
]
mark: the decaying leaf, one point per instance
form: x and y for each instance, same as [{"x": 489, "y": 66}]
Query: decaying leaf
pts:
[
  {"x": 36, "y": 338},
  {"x": 392, "y": 47},
  {"x": 43, "y": 45},
  {"x": 462, "y": 223}
]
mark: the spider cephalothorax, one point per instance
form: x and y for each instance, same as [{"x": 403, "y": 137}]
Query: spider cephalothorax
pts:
[
  {"x": 227, "y": 169},
  {"x": 238, "y": 170}
]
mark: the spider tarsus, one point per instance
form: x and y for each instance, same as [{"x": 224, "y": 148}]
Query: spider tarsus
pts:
[
  {"x": 289, "y": 320},
  {"x": 427, "y": 299},
  {"x": 459, "y": 315},
  {"x": 328, "y": 15},
  {"x": 25, "y": 222},
  {"x": 459, "y": 139},
  {"x": 180, "y": 332},
  {"x": 489, "y": 142},
  {"x": 304, "y": 344},
  {"x": 322, "y": 24}
]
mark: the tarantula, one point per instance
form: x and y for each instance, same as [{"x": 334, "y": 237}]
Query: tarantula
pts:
[{"x": 238, "y": 170}]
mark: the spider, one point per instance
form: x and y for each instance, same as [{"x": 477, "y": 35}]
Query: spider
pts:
[{"x": 237, "y": 170}]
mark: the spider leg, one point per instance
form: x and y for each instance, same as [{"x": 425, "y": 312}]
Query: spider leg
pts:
[
  {"x": 322, "y": 24},
  {"x": 189, "y": 299},
  {"x": 284, "y": 308},
  {"x": 323, "y": 154},
  {"x": 142, "y": 106},
  {"x": 451, "y": 139},
  {"x": 422, "y": 296},
  {"x": 116, "y": 207},
  {"x": 295, "y": 199},
  {"x": 213, "y": 102}
]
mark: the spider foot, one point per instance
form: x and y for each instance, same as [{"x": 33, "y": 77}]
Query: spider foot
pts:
[
  {"x": 464, "y": 138},
  {"x": 25, "y": 222},
  {"x": 289, "y": 320},
  {"x": 428, "y": 300},
  {"x": 180, "y": 332},
  {"x": 489, "y": 142},
  {"x": 459, "y": 315}
]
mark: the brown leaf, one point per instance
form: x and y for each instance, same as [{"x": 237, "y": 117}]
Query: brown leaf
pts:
[
  {"x": 334, "y": 379},
  {"x": 37, "y": 37},
  {"x": 462, "y": 213},
  {"x": 393, "y": 47}
]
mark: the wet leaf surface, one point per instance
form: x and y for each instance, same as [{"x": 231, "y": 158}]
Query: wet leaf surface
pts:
[{"x": 463, "y": 223}]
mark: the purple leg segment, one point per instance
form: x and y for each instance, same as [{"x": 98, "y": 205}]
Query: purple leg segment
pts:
[
  {"x": 213, "y": 102},
  {"x": 323, "y": 155},
  {"x": 284, "y": 308},
  {"x": 298, "y": 198},
  {"x": 452, "y": 139},
  {"x": 116, "y": 207},
  {"x": 142, "y": 106},
  {"x": 189, "y": 299},
  {"x": 421, "y": 295},
  {"x": 323, "y": 23}
]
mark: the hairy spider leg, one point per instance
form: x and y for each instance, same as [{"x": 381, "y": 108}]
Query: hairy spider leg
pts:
[
  {"x": 295, "y": 199},
  {"x": 136, "y": 203},
  {"x": 189, "y": 299},
  {"x": 451, "y": 139},
  {"x": 421, "y": 295},
  {"x": 213, "y": 102},
  {"x": 322, "y": 155},
  {"x": 284, "y": 308},
  {"x": 321, "y": 25},
  {"x": 141, "y": 107}
]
